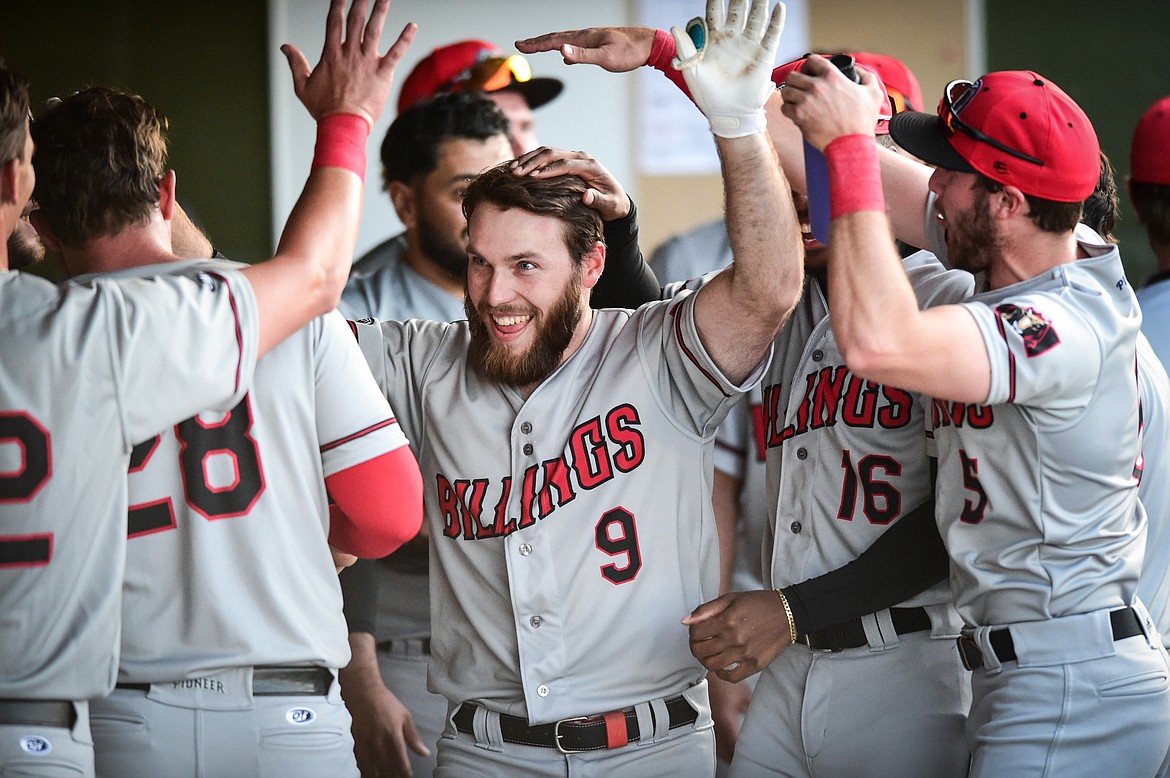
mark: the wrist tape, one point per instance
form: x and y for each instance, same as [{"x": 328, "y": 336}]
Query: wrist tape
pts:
[
  {"x": 341, "y": 142},
  {"x": 855, "y": 178}
]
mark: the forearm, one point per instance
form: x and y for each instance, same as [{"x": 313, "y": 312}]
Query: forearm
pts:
[
  {"x": 747, "y": 303},
  {"x": 359, "y": 592},
  {"x": 906, "y": 559},
  {"x": 305, "y": 278},
  {"x": 362, "y": 673},
  {"x": 725, "y": 503},
  {"x": 628, "y": 281}
]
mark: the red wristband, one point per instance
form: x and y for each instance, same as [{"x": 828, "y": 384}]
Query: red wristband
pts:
[
  {"x": 341, "y": 142},
  {"x": 662, "y": 53},
  {"x": 855, "y": 178}
]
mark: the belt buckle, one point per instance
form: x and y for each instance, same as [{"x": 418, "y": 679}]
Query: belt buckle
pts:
[
  {"x": 557, "y": 735},
  {"x": 969, "y": 652}
]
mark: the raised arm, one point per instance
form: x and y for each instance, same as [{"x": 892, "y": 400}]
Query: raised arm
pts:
[
  {"x": 882, "y": 333},
  {"x": 621, "y": 49},
  {"x": 739, "y": 312},
  {"x": 346, "y": 93}
]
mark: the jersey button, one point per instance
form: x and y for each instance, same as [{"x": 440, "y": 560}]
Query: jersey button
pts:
[
  {"x": 536, "y": 621},
  {"x": 542, "y": 690},
  {"x": 818, "y": 355},
  {"x": 527, "y": 449},
  {"x": 795, "y": 527},
  {"x": 525, "y": 549},
  {"x": 526, "y": 428},
  {"x": 802, "y": 453}
]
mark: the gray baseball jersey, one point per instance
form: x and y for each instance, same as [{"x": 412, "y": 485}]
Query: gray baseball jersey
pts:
[
  {"x": 386, "y": 288},
  {"x": 738, "y": 448},
  {"x": 382, "y": 286},
  {"x": 91, "y": 370},
  {"x": 1154, "y": 487},
  {"x": 1155, "y": 301},
  {"x": 572, "y": 530},
  {"x": 1041, "y": 519},
  {"x": 864, "y": 444},
  {"x": 228, "y": 563}
]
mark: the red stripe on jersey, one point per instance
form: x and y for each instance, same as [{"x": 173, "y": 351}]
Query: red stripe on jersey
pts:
[
  {"x": 353, "y": 328},
  {"x": 239, "y": 329},
  {"x": 688, "y": 353},
  {"x": 1011, "y": 360},
  {"x": 360, "y": 433}
]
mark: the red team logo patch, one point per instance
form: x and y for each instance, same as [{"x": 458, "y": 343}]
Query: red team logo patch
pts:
[{"x": 1036, "y": 332}]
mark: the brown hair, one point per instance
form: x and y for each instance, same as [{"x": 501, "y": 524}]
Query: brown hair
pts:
[
  {"x": 558, "y": 197},
  {"x": 13, "y": 115},
  {"x": 1047, "y": 215},
  {"x": 100, "y": 155}
]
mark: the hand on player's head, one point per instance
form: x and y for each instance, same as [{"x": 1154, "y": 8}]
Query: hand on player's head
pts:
[
  {"x": 605, "y": 194},
  {"x": 616, "y": 49},
  {"x": 351, "y": 76},
  {"x": 826, "y": 105}
]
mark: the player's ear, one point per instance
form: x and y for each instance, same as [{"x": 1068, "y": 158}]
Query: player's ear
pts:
[
  {"x": 594, "y": 265},
  {"x": 41, "y": 225},
  {"x": 166, "y": 195},
  {"x": 405, "y": 203},
  {"x": 1009, "y": 201}
]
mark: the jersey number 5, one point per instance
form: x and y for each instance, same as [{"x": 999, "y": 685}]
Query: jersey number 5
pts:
[{"x": 198, "y": 442}]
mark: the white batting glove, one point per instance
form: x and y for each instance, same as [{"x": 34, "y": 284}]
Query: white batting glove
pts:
[{"x": 727, "y": 61}]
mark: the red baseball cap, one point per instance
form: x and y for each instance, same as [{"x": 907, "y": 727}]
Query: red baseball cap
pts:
[
  {"x": 780, "y": 74},
  {"x": 900, "y": 82},
  {"x": 479, "y": 65},
  {"x": 1149, "y": 156},
  {"x": 1015, "y": 127}
]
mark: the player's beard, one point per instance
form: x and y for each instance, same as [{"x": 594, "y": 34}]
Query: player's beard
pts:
[
  {"x": 24, "y": 247},
  {"x": 973, "y": 241},
  {"x": 554, "y": 331},
  {"x": 440, "y": 249}
]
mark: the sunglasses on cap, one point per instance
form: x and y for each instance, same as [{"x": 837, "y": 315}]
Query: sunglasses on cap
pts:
[
  {"x": 955, "y": 98},
  {"x": 492, "y": 74}
]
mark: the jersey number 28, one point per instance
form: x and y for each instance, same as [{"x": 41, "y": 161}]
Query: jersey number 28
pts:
[{"x": 198, "y": 441}]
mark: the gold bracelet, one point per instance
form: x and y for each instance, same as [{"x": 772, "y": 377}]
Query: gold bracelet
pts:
[{"x": 788, "y": 613}]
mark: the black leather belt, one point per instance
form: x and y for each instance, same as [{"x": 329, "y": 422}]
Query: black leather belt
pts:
[
  {"x": 1124, "y": 622},
  {"x": 40, "y": 713},
  {"x": 851, "y": 634},
  {"x": 276, "y": 682},
  {"x": 588, "y": 733},
  {"x": 405, "y": 646}
]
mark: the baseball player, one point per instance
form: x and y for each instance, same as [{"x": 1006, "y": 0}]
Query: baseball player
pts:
[
  {"x": 1036, "y": 411},
  {"x": 480, "y": 66},
  {"x": 869, "y": 679},
  {"x": 63, "y": 510},
  {"x": 560, "y": 578},
  {"x": 740, "y": 454},
  {"x": 473, "y": 67},
  {"x": 430, "y": 153},
  {"x": 249, "y": 651},
  {"x": 1148, "y": 185}
]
